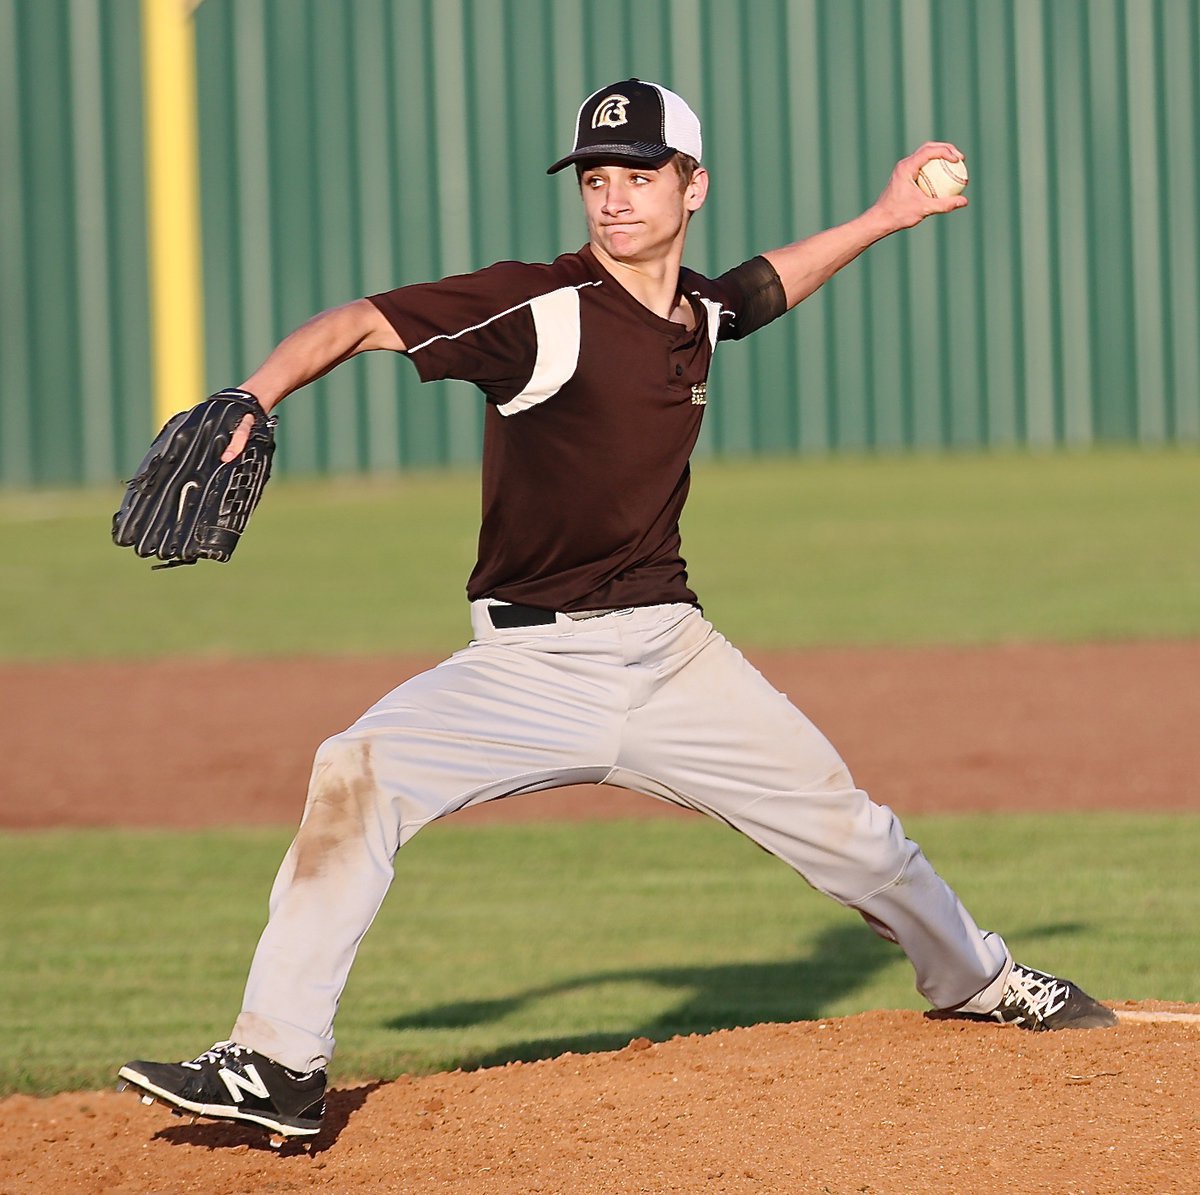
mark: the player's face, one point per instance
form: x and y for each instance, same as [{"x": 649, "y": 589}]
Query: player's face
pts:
[{"x": 637, "y": 213}]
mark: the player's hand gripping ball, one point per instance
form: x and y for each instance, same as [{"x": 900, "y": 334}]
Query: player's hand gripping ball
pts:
[{"x": 942, "y": 178}]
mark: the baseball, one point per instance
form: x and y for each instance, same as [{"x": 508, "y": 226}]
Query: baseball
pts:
[{"x": 941, "y": 178}]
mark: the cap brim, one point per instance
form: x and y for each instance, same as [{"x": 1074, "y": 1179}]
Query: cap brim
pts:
[{"x": 639, "y": 153}]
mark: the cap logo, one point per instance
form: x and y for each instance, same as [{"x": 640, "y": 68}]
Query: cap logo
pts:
[{"x": 610, "y": 111}]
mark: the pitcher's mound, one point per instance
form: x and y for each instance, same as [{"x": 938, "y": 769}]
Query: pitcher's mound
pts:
[{"x": 882, "y": 1102}]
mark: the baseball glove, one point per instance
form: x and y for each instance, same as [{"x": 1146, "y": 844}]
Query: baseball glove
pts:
[{"x": 185, "y": 504}]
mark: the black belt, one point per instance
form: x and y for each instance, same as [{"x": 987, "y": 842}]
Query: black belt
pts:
[{"x": 505, "y": 617}]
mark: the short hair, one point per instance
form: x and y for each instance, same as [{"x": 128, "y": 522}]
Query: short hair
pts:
[{"x": 685, "y": 166}]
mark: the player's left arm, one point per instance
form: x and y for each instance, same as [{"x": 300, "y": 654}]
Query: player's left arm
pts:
[{"x": 806, "y": 265}]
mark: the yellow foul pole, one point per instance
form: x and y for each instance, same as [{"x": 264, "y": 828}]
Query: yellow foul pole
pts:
[{"x": 173, "y": 205}]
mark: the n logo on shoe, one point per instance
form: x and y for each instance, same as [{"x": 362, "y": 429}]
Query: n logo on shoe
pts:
[{"x": 240, "y": 1086}]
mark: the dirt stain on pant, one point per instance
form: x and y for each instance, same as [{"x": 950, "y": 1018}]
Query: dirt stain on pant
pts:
[{"x": 343, "y": 793}]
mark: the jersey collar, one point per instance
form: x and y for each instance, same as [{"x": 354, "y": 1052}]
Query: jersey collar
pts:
[{"x": 636, "y": 307}]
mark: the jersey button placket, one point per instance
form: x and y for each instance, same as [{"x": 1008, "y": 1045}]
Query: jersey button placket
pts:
[{"x": 677, "y": 362}]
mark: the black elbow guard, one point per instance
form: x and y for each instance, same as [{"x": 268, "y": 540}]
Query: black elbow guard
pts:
[{"x": 759, "y": 295}]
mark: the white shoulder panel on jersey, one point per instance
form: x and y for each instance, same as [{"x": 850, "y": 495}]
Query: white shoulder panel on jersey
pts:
[
  {"x": 556, "y": 325},
  {"x": 713, "y": 308}
]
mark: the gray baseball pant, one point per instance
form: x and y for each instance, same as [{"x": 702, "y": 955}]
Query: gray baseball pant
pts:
[{"x": 651, "y": 699}]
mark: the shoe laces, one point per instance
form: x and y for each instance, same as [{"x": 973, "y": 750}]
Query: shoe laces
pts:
[
  {"x": 216, "y": 1053},
  {"x": 222, "y": 1051},
  {"x": 1034, "y": 994}
]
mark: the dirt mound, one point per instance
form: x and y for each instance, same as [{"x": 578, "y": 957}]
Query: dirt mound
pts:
[
  {"x": 1100, "y": 726},
  {"x": 882, "y": 1102}
]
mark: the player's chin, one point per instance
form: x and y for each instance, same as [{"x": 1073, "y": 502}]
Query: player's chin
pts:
[
  {"x": 621, "y": 240},
  {"x": 626, "y": 246}
]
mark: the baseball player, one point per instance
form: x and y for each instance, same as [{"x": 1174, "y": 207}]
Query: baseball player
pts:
[{"x": 591, "y": 660}]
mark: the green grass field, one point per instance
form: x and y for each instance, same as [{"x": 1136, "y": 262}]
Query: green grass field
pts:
[
  {"x": 504, "y": 942},
  {"x": 958, "y": 549}
]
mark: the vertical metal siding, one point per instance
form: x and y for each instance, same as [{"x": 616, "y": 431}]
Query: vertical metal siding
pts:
[
  {"x": 349, "y": 147},
  {"x": 74, "y": 373}
]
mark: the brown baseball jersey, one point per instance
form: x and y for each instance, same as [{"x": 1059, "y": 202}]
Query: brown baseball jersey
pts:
[{"x": 594, "y": 406}]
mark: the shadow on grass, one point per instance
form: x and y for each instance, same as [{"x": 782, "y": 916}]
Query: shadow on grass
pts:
[
  {"x": 726, "y": 996},
  {"x": 844, "y": 960}
]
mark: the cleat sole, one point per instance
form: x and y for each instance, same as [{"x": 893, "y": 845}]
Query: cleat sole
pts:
[
  {"x": 149, "y": 1094},
  {"x": 179, "y": 1106}
]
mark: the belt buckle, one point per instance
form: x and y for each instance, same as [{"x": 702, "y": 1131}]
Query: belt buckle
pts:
[{"x": 583, "y": 615}]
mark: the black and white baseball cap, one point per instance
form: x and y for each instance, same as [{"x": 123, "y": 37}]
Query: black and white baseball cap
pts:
[{"x": 633, "y": 121}]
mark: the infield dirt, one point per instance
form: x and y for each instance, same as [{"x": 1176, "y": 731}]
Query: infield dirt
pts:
[{"x": 888, "y": 1101}]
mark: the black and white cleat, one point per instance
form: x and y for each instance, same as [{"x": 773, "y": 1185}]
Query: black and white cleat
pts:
[{"x": 233, "y": 1083}]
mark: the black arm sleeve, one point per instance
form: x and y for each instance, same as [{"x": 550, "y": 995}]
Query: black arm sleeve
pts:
[{"x": 757, "y": 293}]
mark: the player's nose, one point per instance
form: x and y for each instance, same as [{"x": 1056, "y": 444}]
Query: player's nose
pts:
[{"x": 616, "y": 199}]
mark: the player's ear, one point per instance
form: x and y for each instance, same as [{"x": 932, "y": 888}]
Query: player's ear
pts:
[{"x": 695, "y": 192}]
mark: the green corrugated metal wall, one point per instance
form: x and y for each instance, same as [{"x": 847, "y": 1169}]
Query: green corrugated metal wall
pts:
[
  {"x": 351, "y": 145},
  {"x": 74, "y": 373}
]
